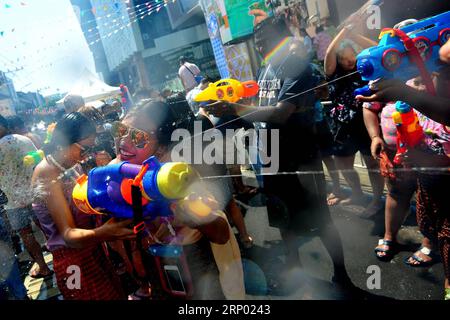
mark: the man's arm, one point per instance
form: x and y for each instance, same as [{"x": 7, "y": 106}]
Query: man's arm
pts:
[
  {"x": 273, "y": 114},
  {"x": 434, "y": 107}
]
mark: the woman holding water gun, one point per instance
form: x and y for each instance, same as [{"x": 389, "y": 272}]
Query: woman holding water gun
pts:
[
  {"x": 350, "y": 134},
  {"x": 433, "y": 207},
  {"x": 401, "y": 185},
  {"x": 146, "y": 131},
  {"x": 71, "y": 236}
]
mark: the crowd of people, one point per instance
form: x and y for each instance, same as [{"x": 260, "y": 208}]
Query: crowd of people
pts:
[{"x": 115, "y": 262}]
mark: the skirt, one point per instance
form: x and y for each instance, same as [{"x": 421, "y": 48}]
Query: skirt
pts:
[{"x": 86, "y": 274}]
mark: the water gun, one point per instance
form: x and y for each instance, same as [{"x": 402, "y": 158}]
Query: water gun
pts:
[
  {"x": 406, "y": 53},
  {"x": 409, "y": 132},
  {"x": 33, "y": 158},
  {"x": 228, "y": 90},
  {"x": 107, "y": 190},
  {"x": 50, "y": 129}
]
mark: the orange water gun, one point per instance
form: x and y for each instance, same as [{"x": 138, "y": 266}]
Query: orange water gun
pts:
[
  {"x": 409, "y": 132},
  {"x": 230, "y": 90}
]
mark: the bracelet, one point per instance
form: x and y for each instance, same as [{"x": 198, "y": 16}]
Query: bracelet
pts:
[{"x": 375, "y": 136}]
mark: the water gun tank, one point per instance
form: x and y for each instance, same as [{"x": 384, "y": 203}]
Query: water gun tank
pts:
[
  {"x": 33, "y": 158},
  {"x": 391, "y": 59},
  {"x": 230, "y": 90},
  {"x": 108, "y": 189}
]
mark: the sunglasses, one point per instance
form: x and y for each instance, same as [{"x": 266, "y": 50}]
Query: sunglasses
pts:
[
  {"x": 85, "y": 149},
  {"x": 138, "y": 137}
]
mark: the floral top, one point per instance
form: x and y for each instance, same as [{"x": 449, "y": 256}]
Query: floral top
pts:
[
  {"x": 387, "y": 124},
  {"x": 437, "y": 136},
  {"x": 15, "y": 177}
]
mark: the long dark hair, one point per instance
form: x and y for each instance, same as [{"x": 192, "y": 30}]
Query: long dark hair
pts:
[
  {"x": 72, "y": 128},
  {"x": 161, "y": 116}
]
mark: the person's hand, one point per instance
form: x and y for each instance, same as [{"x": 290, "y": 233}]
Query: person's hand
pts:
[
  {"x": 102, "y": 158},
  {"x": 259, "y": 15},
  {"x": 386, "y": 91},
  {"x": 445, "y": 52},
  {"x": 376, "y": 147},
  {"x": 354, "y": 22},
  {"x": 220, "y": 109},
  {"x": 116, "y": 230}
]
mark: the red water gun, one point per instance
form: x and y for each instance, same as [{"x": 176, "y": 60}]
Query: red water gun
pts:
[{"x": 409, "y": 132}]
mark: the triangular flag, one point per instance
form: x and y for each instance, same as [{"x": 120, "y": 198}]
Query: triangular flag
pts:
[
  {"x": 117, "y": 5},
  {"x": 94, "y": 10},
  {"x": 2, "y": 33},
  {"x": 23, "y": 4},
  {"x": 7, "y": 6}
]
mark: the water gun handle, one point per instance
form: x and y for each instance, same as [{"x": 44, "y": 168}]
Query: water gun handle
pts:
[{"x": 364, "y": 91}]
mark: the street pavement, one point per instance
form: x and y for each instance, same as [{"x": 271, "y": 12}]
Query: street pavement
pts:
[{"x": 313, "y": 280}]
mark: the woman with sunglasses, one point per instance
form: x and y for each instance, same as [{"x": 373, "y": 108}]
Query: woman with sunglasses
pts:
[
  {"x": 81, "y": 268},
  {"x": 211, "y": 249}
]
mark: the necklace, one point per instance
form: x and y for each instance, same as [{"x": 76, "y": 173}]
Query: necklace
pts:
[
  {"x": 71, "y": 172},
  {"x": 55, "y": 163}
]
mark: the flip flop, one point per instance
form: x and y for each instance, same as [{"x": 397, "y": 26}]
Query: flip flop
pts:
[
  {"x": 422, "y": 262},
  {"x": 332, "y": 197},
  {"x": 389, "y": 253}
]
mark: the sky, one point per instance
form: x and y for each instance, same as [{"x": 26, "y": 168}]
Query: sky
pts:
[{"x": 41, "y": 42}]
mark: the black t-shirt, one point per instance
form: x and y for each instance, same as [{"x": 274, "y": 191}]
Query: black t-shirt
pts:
[
  {"x": 291, "y": 81},
  {"x": 284, "y": 82}
]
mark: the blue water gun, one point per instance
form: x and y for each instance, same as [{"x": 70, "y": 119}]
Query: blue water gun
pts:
[
  {"x": 406, "y": 53},
  {"x": 108, "y": 189}
]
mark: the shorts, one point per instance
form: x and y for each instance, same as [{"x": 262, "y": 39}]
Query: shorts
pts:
[
  {"x": 405, "y": 183},
  {"x": 350, "y": 138},
  {"x": 19, "y": 218},
  {"x": 325, "y": 139}
]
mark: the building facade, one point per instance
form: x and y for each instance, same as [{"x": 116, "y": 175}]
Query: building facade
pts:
[{"x": 140, "y": 41}]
